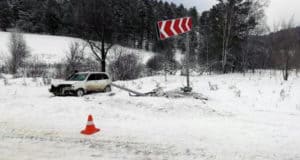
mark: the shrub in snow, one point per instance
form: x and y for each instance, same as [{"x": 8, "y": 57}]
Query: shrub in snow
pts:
[
  {"x": 238, "y": 93},
  {"x": 284, "y": 93},
  {"x": 232, "y": 87},
  {"x": 236, "y": 90},
  {"x": 126, "y": 67},
  {"x": 18, "y": 50},
  {"x": 5, "y": 80},
  {"x": 155, "y": 63},
  {"x": 35, "y": 68},
  {"x": 46, "y": 81},
  {"x": 157, "y": 84},
  {"x": 159, "y": 63},
  {"x": 24, "y": 82},
  {"x": 213, "y": 87},
  {"x": 59, "y": 71},
  {"x": 4, "y": 65},
  {"x": 140, "y": 85}
]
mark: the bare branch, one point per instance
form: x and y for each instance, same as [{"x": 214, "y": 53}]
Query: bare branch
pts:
[
  {"x": 108, "y": 48},
  {"x": 93, "y": 46}
]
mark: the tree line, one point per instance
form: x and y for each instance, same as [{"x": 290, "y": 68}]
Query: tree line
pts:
[
  {"x": 127, "y": 22},
  {"x": 231, "y": 36}
]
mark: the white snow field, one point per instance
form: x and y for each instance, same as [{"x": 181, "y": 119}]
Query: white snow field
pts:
[
  {"x": 247, "y": 117},
  {"x": 53, "y": 49}
]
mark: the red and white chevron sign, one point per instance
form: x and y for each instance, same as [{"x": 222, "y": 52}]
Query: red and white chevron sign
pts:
[{"x": 174, "y": 27}]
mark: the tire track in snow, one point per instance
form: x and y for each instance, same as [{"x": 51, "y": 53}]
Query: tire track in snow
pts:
[{"x": 135, "y": 150}]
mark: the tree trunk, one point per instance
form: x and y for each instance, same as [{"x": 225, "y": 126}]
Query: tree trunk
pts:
[
  {"x": 224, "y": 49},
  {"x": 103, "y": 54},
  {"x": 226, "y": 36},
  {"x": 286, "y": 68},
  {"x": 147, "y": 47},
  {"x": 103, "y": 66},
  {"x": 141, "y": 41},
  {"x": 142, "y": 35}
]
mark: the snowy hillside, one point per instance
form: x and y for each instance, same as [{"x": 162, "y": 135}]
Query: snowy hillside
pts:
[
  {"x": 246, "y": 117},
  {"x": 53, "y": 49}
]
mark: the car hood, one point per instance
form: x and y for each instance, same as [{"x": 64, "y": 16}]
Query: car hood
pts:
[{"x": 57, "y": 83}]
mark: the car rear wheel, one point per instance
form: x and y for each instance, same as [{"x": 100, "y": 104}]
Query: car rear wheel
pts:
[
  {"x": 107, "y": 89},
  {"x": 80, "y": 93}
]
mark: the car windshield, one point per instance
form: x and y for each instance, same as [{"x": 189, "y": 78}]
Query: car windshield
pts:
[{"x": 77, "y": 77}]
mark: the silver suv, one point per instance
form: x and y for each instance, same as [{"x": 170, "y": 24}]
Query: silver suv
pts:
[{"x": 81, "y": 83}]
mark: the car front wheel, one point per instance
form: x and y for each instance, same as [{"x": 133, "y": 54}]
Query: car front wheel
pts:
[{"x": 80, "y": 92}]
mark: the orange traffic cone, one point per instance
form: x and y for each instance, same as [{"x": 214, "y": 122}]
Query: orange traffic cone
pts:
[{"x": 90, "y": 127}]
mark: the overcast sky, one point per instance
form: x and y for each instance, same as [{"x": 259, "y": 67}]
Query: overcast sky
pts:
[{"x": 277, "y": 11}]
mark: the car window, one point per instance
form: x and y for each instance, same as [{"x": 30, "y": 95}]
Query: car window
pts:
[
  {"x": 104, "y": 76},
  {"x": 92, "y": 77},
  {"x": 97, "y": 77},
  {"x": 77, "y": 77},
  {"x": 101, "y": 76}
]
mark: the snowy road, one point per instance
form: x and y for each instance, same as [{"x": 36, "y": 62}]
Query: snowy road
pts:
[{"x": 247, "y": 118}]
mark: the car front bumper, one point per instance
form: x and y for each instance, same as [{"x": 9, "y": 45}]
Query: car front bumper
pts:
[{"x": 61, "y": 90}]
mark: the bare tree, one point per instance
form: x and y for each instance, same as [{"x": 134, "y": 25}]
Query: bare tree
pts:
[
  {"x": 74, "y": 57},
  {"x": 18, "y": 50},
  {"x": 94, "y": 22},
  {"x": 285, "y": 44},
  {"x": 100, "y": 51},
  {"x": 289, "y": 50},
  {"x": 253, "y": 47},
  {"x": 227, "y": 24}
]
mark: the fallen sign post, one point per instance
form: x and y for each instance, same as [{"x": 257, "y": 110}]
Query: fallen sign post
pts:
[
  {"x": 174, "y": 27},
  {"x": 158, "y": 92},
  {"x": 128, "y": 90}
]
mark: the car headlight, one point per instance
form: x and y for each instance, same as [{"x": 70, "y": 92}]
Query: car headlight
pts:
[{"x": 73, "y": 87}]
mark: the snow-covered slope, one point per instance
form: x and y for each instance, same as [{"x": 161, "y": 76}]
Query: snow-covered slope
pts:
[
  {"x": 247, "y": 117},
  {"x": 53, "y": 49},
  {"x": 49, "y": 49}
]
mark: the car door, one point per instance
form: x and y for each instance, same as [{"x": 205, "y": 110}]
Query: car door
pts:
[
  {"x": 101, "y": 80},
  {"x": 91, "y": 83},
  {"x": 106, "y": 80}
]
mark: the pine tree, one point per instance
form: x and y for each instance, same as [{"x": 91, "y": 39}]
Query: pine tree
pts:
[
  {"x": 5, "y": 15},
  {"x": 51, "y": 18},
  {"x": 30, "y": 16}
]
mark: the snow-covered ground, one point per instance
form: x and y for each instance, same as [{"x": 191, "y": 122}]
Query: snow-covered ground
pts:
[
  {"x": 53, "y": 49},
  {"x": 247, "y": 117}
]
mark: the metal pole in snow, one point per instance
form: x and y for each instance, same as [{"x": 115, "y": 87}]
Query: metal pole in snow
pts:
[{"x": 188, "y": 89}]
